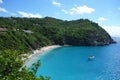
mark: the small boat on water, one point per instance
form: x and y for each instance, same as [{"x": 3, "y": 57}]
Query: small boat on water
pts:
[{"x": 91, "y": 57}]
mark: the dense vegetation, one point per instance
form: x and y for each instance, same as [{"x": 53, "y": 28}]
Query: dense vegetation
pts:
[
  {"x": 35, "y": 33},
  {"x": 21, "y": 35},
  {"x": 10, "y": 65}
]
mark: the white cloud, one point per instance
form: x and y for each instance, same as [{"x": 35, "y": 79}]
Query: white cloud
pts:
[
  {"x": 79, "y": 10},
  {"x": 1, "y": 1},
  {"x": 101, "y": 19},
  {"x": 3, "y": 10},
  {"x": 56, "y": 3},
  {"x": 114, "y": 31},
  {"x": 63, "y": 10},
  {"x": 24, "y": 14}
]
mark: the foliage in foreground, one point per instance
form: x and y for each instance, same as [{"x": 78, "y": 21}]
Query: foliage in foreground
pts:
[{"x": 10, "y": 65}]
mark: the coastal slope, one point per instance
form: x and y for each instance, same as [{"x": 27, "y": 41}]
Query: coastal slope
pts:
[{"x": 33, "y": 33}]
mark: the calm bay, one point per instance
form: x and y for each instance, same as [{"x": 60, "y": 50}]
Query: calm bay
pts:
[{"x": 71, "y": 63}]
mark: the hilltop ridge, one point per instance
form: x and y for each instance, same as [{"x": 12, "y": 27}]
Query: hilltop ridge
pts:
[{"x": 33, "y": 33}]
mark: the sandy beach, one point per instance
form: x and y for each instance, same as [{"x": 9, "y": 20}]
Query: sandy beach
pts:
[{"x": 36, "y": 53}]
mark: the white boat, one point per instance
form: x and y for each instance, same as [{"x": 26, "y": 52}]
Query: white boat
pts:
[{"x": 91, "y": 57}]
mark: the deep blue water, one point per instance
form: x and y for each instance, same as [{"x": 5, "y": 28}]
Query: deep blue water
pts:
[{"x": 71, "y": 63}]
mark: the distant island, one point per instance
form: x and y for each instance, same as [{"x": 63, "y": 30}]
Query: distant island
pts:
[{"x": 23, "y": 35}]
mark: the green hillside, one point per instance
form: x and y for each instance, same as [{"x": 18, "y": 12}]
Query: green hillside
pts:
[{"x": 26, "y": 33}]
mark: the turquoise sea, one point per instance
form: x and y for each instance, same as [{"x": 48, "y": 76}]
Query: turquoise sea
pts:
[{"x": 71, "y": 63}]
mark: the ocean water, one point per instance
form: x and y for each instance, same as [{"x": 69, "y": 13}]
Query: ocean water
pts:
[{"x": 71, "y": 63}]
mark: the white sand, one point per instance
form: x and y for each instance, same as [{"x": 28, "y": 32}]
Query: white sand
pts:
[{"x": 37, "y": 53}]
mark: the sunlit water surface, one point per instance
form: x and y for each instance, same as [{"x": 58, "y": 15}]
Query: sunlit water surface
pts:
[{"x": 71, "y": 63}]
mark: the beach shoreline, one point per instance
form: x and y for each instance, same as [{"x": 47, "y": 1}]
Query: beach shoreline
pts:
[{"x": 32, "y": 58}]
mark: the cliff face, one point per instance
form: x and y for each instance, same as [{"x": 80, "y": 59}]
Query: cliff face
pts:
[
  {"x": 91, "y": 40},
  {"x": 99, "y": 40},
  {"x": 81, "y": 32},
  {"x": 87, "y": 33},
  {"x": 32, "y": 33}
]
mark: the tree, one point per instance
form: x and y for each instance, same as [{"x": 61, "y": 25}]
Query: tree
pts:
[{"x": 10, "y": 64}]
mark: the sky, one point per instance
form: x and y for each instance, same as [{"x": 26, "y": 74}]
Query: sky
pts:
[{"x": 104, "y": 12}]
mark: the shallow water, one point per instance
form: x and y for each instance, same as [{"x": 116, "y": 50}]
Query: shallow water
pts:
[{"x": 71, "y": 63}]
